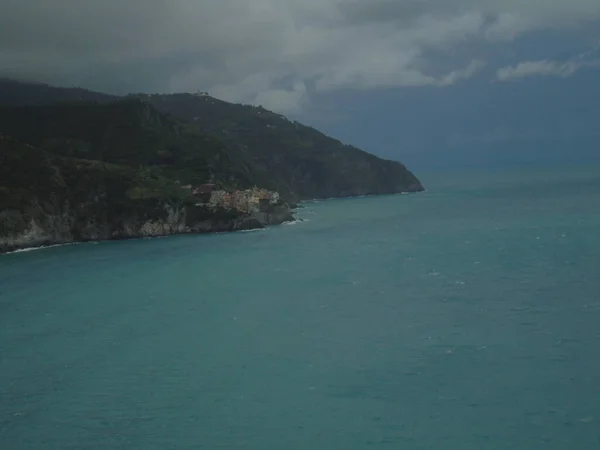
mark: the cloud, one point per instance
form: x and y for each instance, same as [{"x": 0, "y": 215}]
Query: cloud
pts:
[
  {"x": 249, "y": 51},
  {"x": 508, "y": 26},
  {"x": 536, "y": 68},
  {"x": 283, "y": 100},
  {"x": 463, "y": 74},
  {"x": 547, "y": 68}
]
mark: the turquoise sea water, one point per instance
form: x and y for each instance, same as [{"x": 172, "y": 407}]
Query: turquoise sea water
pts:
[{"x": 467, "y": 317}]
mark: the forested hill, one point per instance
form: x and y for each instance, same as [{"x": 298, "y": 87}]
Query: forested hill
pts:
[
  {"x": 83, "y": 171},
  {"x": 296, "y": 159}
]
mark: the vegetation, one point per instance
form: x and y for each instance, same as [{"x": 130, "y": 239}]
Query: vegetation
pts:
[
  {"x": 106, "y": 165},
  {"x": 87, "y": 165},
  {"x": 299, "y": 159},
  {"x": 36, "y": 185},
  {"x": 129, "y": 133}
]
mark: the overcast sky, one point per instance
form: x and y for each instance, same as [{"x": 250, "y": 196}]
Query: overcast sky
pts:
[{"x": 302, "y": 57}]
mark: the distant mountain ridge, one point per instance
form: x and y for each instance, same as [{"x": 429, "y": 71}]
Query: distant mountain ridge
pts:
[{"x": 21, "y": 93}]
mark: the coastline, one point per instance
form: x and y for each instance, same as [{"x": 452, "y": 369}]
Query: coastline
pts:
[
  {"x": 247, "y": 226},
  {"x": 244, "y": 223},
  {"x": 39, "y": 238}
]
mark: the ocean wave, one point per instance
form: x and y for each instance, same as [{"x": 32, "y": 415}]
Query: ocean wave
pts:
[
  {"x": 295, "y": 222},
  {"x": 253, "y": 230},
  {"x": 41, "y": 247}
]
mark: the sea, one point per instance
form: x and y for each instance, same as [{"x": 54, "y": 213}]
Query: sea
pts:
[{"x": 466, "y": 317}]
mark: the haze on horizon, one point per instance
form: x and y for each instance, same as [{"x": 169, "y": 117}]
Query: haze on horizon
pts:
[{"x": 434, "y": 83}]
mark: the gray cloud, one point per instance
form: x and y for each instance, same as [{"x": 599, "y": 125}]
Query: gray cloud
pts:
[
  {"x": 537, "y": 68},
  {"x": 462, "y": 74},
  {"x": 274, "y": 52},
  {"x": 547, "y": 67}
]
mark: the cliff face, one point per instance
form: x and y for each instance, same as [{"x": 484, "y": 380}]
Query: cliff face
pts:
[
  {"x": 57, "y": 216},
  {"x": 23, "y": 230},
  {"x": 49, "y": 198}
]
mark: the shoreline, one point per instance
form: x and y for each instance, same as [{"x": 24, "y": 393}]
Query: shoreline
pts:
[
  {"x": 247, "y": 227},
  {"x": 27, "y": 249}
]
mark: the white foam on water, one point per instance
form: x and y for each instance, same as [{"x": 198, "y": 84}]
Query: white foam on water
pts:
[
  {"x": 23, "y": 250},
  {"x": 253, "y": 230},
  {"x": 42, "y": 247}
]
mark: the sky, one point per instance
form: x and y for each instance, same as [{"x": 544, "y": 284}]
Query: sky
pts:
[{"x": 434, "y": 83}]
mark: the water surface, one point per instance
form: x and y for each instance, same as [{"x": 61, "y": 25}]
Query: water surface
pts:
[{"x": 464, "y": 318}]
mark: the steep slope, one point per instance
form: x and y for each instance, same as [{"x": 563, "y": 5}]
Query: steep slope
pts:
[
  {"x": 86, "y": 171},
  {"x": 296, "y": 158},
  {"x": 132, "y": 133},
  {"x": 302, "y": 159}
]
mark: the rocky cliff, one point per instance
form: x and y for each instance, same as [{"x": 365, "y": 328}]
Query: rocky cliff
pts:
[
  {"x": 41, "y": 227},
  {"x": 49, "y": 194}
]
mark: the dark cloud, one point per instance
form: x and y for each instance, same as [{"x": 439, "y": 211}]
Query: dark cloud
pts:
[
  {"x": 356, "y": 11},
  {"x": 244, "y": 50}
]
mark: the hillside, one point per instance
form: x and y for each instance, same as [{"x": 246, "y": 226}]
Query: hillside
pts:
[
  {"x": 48, "y": 199},
  {"x": 132, "y": 133},
  {"x": 297, "y": 158},
  {"x": 302, "y": 159},
  {"x": 18, "y": 93},
  {"x": 77, "y": 165},
  {"x": 86, "y": 171}
]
